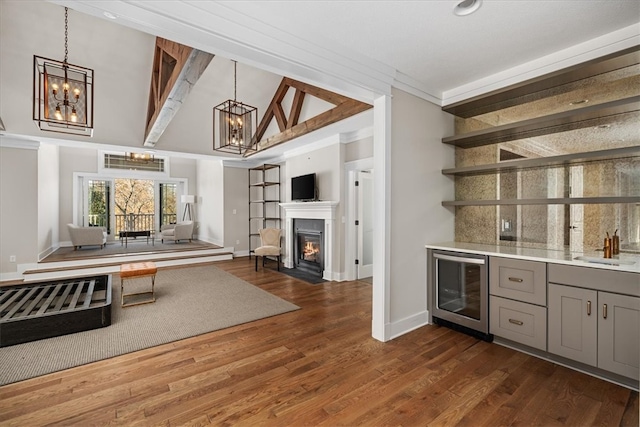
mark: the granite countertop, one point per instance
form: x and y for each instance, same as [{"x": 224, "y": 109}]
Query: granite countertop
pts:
[{"x": 623, "y": 262}]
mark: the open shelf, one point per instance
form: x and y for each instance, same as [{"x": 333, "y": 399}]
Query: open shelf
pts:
[
  {"x": 264, "y": 192},
  {"x": 556, "y": 201},
  {"x": 574, "y": 158},
  {"x": 594, "y": 115}
]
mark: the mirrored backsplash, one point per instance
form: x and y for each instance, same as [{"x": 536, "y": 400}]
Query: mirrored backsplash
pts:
[{"x": 521, "y": 206}]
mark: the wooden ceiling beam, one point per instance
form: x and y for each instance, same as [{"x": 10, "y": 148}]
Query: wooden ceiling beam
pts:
[
  {"x": 296, "y": 108},
  {"x": 340, "y": 112},
  {"x": 290, "y": 128},
  {"x": 176, "y": 69}
]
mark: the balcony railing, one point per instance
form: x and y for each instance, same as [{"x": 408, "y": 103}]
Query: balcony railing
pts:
[{"x": 131, "y": 222}]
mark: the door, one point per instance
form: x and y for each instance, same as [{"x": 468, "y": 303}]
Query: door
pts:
[
  {"x": 618, "y": 334},
  {"x": 365, "y": 224},
  {"x": 573, "y": 323}
]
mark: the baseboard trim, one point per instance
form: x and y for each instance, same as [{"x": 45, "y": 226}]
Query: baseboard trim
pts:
[{"x": 406, "y": 325}]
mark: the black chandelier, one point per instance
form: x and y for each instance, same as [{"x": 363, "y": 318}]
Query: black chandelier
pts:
[
  {"x": 236, "y": 123},
  {"x": 62, "y": 93}
]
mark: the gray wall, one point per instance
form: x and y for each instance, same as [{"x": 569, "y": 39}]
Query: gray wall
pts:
[
  {"x": 236, "y": 209},
  {"x": 210, "y": 201},
  {"x": 18, "y": 207},
  {"x": 417, "y": 190}
]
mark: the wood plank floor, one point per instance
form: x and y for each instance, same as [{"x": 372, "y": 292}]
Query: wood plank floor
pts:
[{"x": 318, "y": 366}]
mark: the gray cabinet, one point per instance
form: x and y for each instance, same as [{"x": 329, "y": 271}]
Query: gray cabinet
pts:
[
  {"x": 619, "y": 334},
  {"x": 517, "y": 301},
  {"x": 596, "y": 328},
  {"x": 573, "y": 323}
]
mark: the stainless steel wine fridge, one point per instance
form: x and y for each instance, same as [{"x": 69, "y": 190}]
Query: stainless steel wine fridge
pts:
[{"x": 457, "y": 291}]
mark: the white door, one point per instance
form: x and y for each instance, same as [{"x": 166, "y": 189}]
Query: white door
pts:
[{"x": 365, "y": 223}]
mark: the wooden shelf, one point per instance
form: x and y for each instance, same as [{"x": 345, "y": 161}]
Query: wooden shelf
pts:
[
  {"x": 579, "y": 118},
  {"x": 558, "y": 201},
  {"x": 592, "y": 156},
  {"x": 521, "y": 93}
]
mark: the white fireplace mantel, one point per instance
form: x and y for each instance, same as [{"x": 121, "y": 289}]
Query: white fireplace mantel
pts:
[{"x": 325, "y": 210}]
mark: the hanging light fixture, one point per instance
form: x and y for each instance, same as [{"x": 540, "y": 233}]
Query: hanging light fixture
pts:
[
  {"x": 62, "y": 93},
  {"x": 235, "y": 126}
]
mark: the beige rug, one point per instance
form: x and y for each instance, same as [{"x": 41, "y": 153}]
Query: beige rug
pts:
[{"x": 189, "y": 301}]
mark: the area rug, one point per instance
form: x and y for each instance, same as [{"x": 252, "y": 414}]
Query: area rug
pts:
[
  {"x": 189, "y": 301},
  {"x": 137, "y": 246}
]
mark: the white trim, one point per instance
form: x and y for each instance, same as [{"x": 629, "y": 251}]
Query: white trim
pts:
[
  {"x": 356, "y": 135},
  {"x": 408, "y": 324},
  {"x": 381, "y": 219},
  {"x": 24, "y": 144},
  {"x": 51, "y": 249},
  {"x": 325, "y": 210},
  {"x": 243, "y": 253}
]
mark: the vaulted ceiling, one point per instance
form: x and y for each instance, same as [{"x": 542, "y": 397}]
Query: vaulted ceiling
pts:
[{"x": 358, "y": 49}]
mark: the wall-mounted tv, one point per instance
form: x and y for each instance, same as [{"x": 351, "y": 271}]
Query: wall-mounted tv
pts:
[{"x": 303, "y": 188}]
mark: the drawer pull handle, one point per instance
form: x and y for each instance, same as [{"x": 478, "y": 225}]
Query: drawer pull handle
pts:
[
  {"x": 516, "y": 322},
  {"x": 515, "y": 279},
  {"x": 588, "y": 308},
  {"x": 604, "y": 311}
]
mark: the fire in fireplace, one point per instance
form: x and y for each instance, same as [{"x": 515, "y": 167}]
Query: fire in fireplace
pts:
[{"x": 308, "y": 246}]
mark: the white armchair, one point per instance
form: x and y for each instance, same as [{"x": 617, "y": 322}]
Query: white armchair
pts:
[
  {"x": 87, "y": 236},
  {"x": 176, "y": 232}
]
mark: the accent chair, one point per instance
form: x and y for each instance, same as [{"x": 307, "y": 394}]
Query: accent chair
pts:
[
  {"x": 87, "y": 236},
  {"x": 176, "y": 232},
  {"x": 269, "y": 245}
]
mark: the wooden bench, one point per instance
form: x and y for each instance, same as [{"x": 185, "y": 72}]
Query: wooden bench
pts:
[{"x": 136, "y": 271}]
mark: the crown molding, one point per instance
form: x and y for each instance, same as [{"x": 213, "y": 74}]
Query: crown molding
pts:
[{"x": 7, "y": 141}]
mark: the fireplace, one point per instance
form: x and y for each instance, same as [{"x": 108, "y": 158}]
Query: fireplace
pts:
[
  {"x": 324, "y": 215},
  {"x": 309, "y": 245}
]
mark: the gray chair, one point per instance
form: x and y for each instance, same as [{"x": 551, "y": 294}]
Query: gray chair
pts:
[
  {"x": 269, "y": 245},
  {"x": 176, "y": 232},
  {"x": 87, "y": 236}
]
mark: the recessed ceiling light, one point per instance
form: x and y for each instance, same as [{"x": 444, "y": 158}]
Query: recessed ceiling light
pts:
[
  {"x": 109, "y": 15},
  {"x": 466, "y": 7},
  {"x": 578, "y": 102}
]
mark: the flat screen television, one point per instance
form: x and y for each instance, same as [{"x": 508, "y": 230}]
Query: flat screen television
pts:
[{"x": 303, "y": 187}]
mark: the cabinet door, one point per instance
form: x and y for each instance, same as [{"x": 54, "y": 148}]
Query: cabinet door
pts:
[
  {"x": 618, "y": 334},
  {"x": 573, "y": 323}
]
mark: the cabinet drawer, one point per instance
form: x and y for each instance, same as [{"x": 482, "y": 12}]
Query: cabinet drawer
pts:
[
  {"x": 517, "y": 321},
  {"x": 518, "y": 279}
]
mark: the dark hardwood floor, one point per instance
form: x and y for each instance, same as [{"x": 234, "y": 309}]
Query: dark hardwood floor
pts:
[{"x": 319, "y": 366}]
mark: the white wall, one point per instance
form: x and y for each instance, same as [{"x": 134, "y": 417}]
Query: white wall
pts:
[
  {"x": 417, "y": 190},
  {"x": 48, "y": 199},
  {"x": 210, "y": 201},
  {"x": 18, "y": 208},
  {"x": 236, "y": 209}
]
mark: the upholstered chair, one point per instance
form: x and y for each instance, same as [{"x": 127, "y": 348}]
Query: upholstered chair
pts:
[
  {"x": 269, "y": 245},
  {"x": 176, "y": 232},
  {"x": 87, "y": 236}
]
